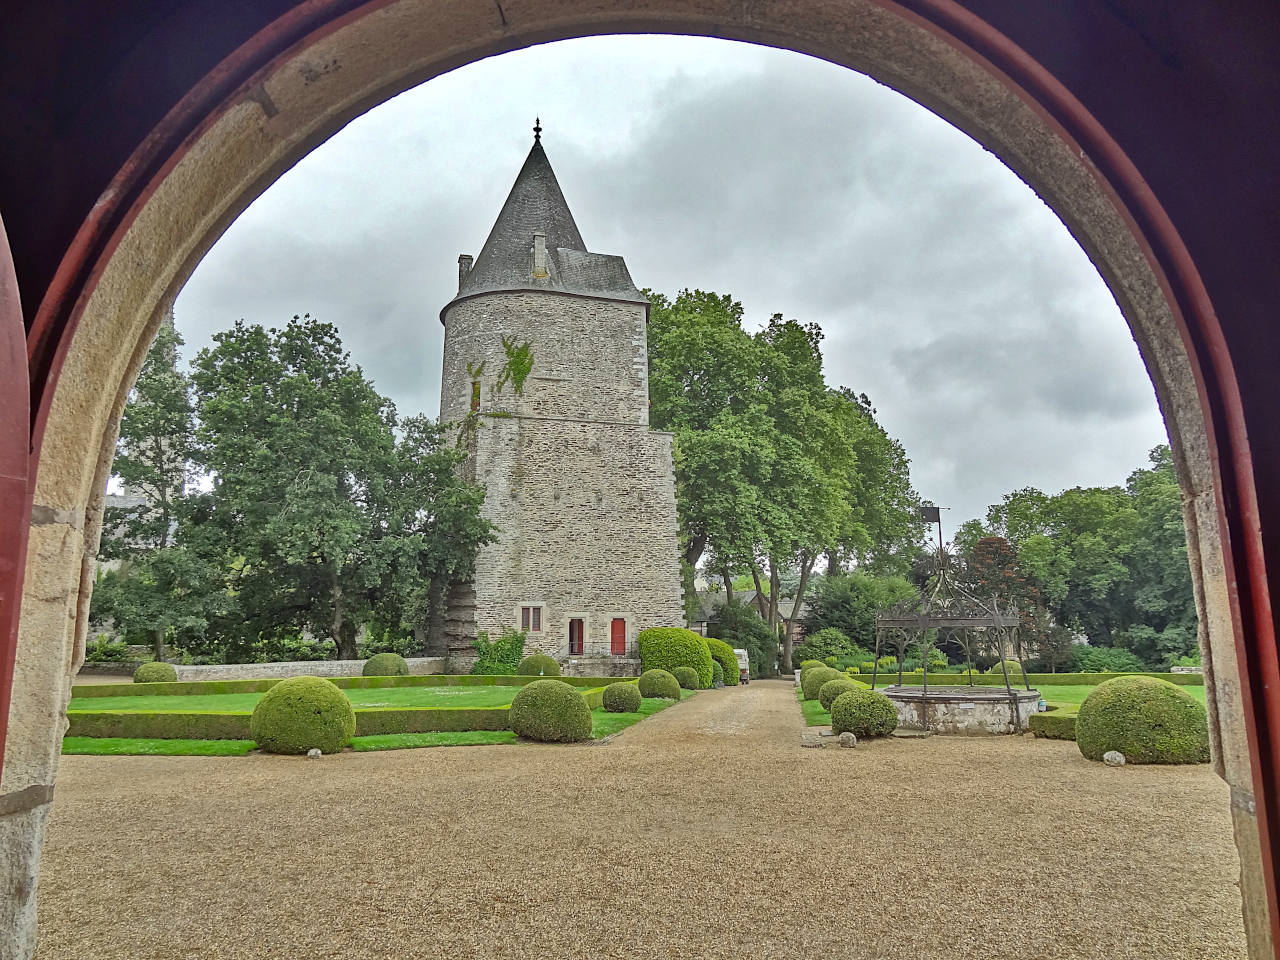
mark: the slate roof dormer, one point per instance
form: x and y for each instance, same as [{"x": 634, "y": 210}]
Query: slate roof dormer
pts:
[{"x": 537, "y": 206}]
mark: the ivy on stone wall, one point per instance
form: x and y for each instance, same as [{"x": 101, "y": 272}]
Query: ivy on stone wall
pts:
[{"x": 516, "y": 369}]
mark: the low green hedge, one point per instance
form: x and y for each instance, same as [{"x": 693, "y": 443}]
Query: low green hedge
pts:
[
  {"x": 723, "y": 654},
  {"x": 192, "y": 725},
  {"x": 1058, "y": 723},
  {"x": 1038, "y": 679},
  {"x": 212, "y": 687}
]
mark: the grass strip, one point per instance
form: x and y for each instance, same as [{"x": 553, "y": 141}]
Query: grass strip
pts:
[
  {"x": 606, "y": 724},
  {"x": 138, "y": 747},
  {"x": 405, "y": 741}
]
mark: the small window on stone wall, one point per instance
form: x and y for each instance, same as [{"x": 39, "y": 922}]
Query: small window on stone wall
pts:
[
  {"x": 531, "y": 619},
  {"x": 475, "y": 396}
]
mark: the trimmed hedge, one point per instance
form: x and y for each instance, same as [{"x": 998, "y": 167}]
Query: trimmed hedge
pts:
[
  {"x": 538, "y": 665},
  {"x": 659, "y": 683},
  {"x": 621, "y": 698},
  {"x": 552, "y": 712},
  {"x": 1057, "y": 723},
  {"x": 717, "y": 674},
  {"x": 665, "y": 648},
  {"x": 386, "y": 665},
  {"x": 155, "y": 672},
  {"x": 864, "y": 713},
  {"x": 153, "y": 725},
  {"x": 1148, "y": 720},
  {"x": 811, "y": 682},
  {"x": 212, "y": 687},
  {"x": 833, "y": 688},
  {"x": 687, "y": 677},
  {"x": 723, "y": 654},
  {"x": 806, "y": 665},
  {"x": 302, "y": 713}
]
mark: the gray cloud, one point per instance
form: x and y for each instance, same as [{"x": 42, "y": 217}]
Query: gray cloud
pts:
[{"x": 947, "y": 290}]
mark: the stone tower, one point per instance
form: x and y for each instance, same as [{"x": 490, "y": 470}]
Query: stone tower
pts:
[{"x": 546, "y": 373}]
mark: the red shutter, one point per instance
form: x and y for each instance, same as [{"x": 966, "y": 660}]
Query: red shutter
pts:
[
  {"x": 524, "y": 618},
  {"x": 537, "y": 618}
]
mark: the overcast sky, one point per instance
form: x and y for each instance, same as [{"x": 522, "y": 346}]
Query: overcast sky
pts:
[{"x": 949, "y": 293}]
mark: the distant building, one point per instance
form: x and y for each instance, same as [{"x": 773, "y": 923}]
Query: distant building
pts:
[{"x": 546, "y": 374}]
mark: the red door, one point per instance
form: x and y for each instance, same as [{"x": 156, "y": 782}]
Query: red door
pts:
[
  {"x": 575, "y": 637},
  {"x": 618, "y": 637}
]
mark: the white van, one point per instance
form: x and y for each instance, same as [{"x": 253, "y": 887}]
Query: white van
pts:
[{"x": 744, "y": 666}]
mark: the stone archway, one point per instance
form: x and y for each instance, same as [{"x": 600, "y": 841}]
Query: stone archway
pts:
[{"x": 285, "y": 92}]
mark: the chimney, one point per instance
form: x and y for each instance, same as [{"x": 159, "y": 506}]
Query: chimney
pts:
[
  {"x": 464, "y": 267},
  {"x": 540, "y": 256}
]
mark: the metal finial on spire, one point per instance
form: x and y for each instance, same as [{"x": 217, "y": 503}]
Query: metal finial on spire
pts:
[{"x": 537, "y": 130}]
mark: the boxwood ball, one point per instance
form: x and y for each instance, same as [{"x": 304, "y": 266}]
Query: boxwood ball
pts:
[
  {"x": 621, "y": 698},
  {"x": 550, "y": 711},
  {"x": 1147, "y": 719},
  {"x": 157, "y": 672},
  {"x": 386, "y": 665},
  {"x": 659, "y": 683},
  {"x": 538, "y": 665},
  {"x": 300, "y": 713}
]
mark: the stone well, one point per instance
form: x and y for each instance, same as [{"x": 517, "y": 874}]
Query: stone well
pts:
[{"x": 974, "y": 711}]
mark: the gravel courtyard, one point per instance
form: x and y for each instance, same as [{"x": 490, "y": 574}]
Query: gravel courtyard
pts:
[{"x": 704, "y": 832}]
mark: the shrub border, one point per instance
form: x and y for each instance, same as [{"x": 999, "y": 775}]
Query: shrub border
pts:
[
  {"x": 228, "y": 725},
  {"x": 1057, "y": 723},
  {"x": 187, "y": 688},
  {"x": 1035, "y": 679}
]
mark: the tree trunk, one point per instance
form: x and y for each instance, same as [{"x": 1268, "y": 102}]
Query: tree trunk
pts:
[
  {"x": 728, "y": 584},
  {"x": 335, "y": 627},
  {"x": 760, "y": 607},
  {"x": 806, "y": 565},
  {"x": 436, "y": 646},
  {"x": 348, "y": 649},
  {"x": 833, "y": 564},
  {"x": 774, "y": 590},
  {"x": 693, "y": 552},
  {"x": 157, "y": 643}
]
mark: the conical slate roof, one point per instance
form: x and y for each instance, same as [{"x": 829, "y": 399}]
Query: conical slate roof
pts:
[{"x": 536, "y": 205}]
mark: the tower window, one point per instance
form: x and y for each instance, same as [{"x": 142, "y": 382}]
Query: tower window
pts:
[
  {"x": 531, "y": 619},
  {"x": 475, "y": 396}
]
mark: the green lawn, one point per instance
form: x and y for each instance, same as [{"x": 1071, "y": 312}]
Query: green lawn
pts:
[
  {"x": 123, "y": 746},
  {"x": 360, "y": 699},
  {"x": 404, "y": 741},
  {"x": 604, "y": 723}
]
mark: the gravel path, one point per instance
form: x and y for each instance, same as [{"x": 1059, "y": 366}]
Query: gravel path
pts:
[{"x": 703, "y": 832}]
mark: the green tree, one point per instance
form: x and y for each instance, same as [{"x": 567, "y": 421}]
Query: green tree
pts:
[
  {"x": 153, "y": 454},
  {"x": 850, "y": 602},
  {"x": 299, "y": 444}
]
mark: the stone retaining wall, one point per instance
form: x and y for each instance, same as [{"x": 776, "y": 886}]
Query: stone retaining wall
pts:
[{"x": 418, "y": 666}]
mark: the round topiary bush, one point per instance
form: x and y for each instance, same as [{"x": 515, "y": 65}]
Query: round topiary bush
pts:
[
  {"x": 717, "y": 674},
  {"x": 665, "y": 648},
  {"x": 687, "y": 677},
  {"x": 157, "y": 672},
  {"x": 621, "y": 698},
  {"x": 550, "y": 711},
  {"x": 386, "y": 665},
  {"x": 659, "y": 683},
  {"x": 1015, "y": 669},
  {"x": 300, "y": 713},
  {"x": 833, "y": 688},
  {"x": 723, "y": 654},
  {"x": 864, "y": 713},
  {"x": 1147, "y": 719},
  {"x": 807, "y": 665},
  {"x": 538, "y": 665},
  {"x": 811, "y": 682}
]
